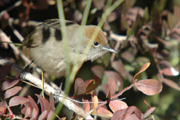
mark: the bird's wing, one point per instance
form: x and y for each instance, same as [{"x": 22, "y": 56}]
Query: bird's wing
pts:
[{"x": 44, "y": 31}]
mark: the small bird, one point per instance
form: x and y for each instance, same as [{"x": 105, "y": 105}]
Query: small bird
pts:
[{"x": 47, "y": 49}]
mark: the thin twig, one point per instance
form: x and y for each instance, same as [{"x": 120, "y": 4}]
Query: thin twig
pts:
[
  {"x": 124, "y": 90},
  {"x": 16, "y": 33},
  {"x": 120, "y": 38},
  {"x": 23, "y": 23},
  {"x": 12, "y": 7},
  {"x": 15, "y": 49}
]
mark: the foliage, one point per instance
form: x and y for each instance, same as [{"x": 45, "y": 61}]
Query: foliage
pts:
[{"x": 104, "y": 86}]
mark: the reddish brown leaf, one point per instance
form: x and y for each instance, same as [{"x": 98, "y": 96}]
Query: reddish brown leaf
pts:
[
  {"x": 116, "y": 105},
  {"x": 17, "y": 100},
  {"x": 165, "y": 63},
  {"x": 131, "y": 117},
  {"x": 35, "y": 111},
  {"x": 79, "y": 87},
  {"x": 105, "y": 89},
  {"x": 5, "y": 70},
  {"x": 119, "y": 67},
  {"x": 134, "y": 110},
  {"x": 112, "y": 17},
  {"x": 113, "y": 79},
  {"x": 170, "y": 71},
  {"x": 50, "y": 115},
  {"x": 115, "y": 76},
  {"x": 43, "y": 115},
  {"x": 98, "y": 71},
  {"x": 128, "y": 56},
  {"x": 108, "y": 94},
  {"x": 103, "y": 112},
  {"x": 95, "y": 102},
  {"x": 143, "y": 68},
  {"x": 148, "y": 112},
  {"x": 27, "y": 105},
  {"x": 82, "y": 87},
  {"x": 28, "y": 112},
  {"x": 86, "y": 105},
  {"x": 51, "y": 101},
  {"x": 45, "y": 106},
  {"x": 171, "y": 83},
  {"x": 149, "y": 86},
  {"x": 2, "y": 108},
  {"x": 10, "y": 83},
  {"x": 99, "y": 4},
  {"x": 91, "y": 85},
  {"x": 34, "y": 114},
  {"x": 11, "y": 92},
  {"x": 118, "y": 115},
  {"x": 131, "y": 113},
  {"x": 111, "y": 86}
]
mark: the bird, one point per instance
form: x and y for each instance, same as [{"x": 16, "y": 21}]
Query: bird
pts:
[{"x": 46, "y": 46}]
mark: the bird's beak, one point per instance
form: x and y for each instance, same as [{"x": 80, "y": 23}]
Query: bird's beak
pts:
[{"x": 109, "y": 49}]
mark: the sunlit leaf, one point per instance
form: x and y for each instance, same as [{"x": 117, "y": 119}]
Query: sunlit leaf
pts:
[
  {"x": 17, "y": 100},
  {"x": 116, "y": 105},
  {"x": 95, "y": 102},
  {"x": 9, "y": 83},
  {"x": 149, "y": 86},
  {"x": 50, "y": 115},
  {"x": 143, "y": 68},
  {"x": 103, "y": 112},
  {"x": 170, "y": 71},
  {"x": 43, "y": 115},
  {"x": 149, "y": 112},
  {"x": 11, "y": 92},
  {"x": 28, "y": 112}
]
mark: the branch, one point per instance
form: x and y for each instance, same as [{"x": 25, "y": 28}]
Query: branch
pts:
[
  {"x": 120, "y": 38},
  {"x": 48, "y": 89}
]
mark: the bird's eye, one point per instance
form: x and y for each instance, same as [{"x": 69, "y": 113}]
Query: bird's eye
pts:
[{"x": 96, "y": 43}]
